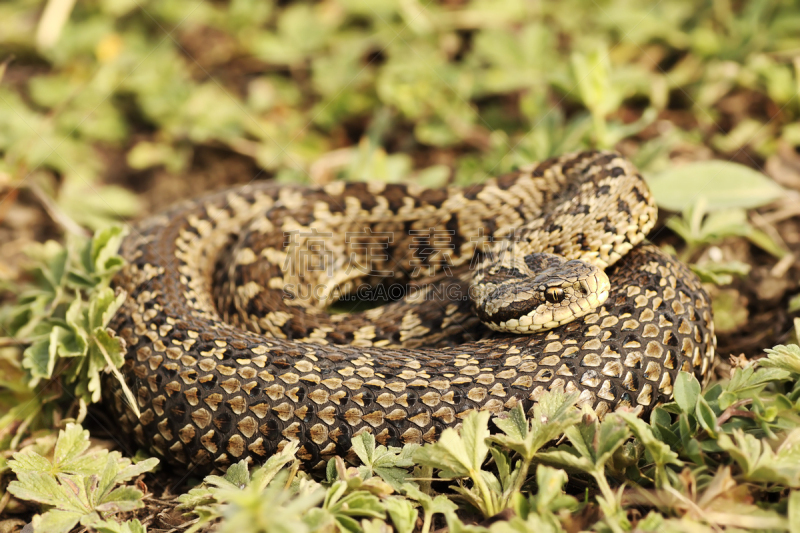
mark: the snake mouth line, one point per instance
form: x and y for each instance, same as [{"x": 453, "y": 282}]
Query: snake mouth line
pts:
[{"x": 526, "y": 325}]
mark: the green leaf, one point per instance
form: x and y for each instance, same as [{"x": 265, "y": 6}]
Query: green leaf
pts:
[
  {"x": 749, "y": 382},
  {"x": 126, "y": 473},
  {"x": 358, "y": 504},
  {"x": 237, "y": 475},
  {"x": 102, "y": 307},
  {"x": 103, "y": 259},
  {"x": 706, "y": 417},
  {"x": 439, "y": 504},
  {"x": 105, "y": 483},
  {"x": 718, "y": 225},
  {"x": 364, "y": 446},
  {"x": 794, "y": 512},
  {"x": 264, "y": 475},
  {"x": 389, "y": 463},
  {"x": 29, "y": 462},
  {"x": 375, "y": 525},
  {"x": 120, "y": 500},
  {"x": 759, "y": 463},
  {"x": 70, "y": 446},
  {"x": 51, "y": 260},
  {"x": 657, "y": 451},
  {"x": 613, "y": 433},
  {"x": 38, "y": 359},
  {"x": 723, "y": 184},
  {"x": 454, "y": 525},
  {"x": 99, "y": 259},
  {"x": 594, "y": 443},
  {"x": 113, "y": 347},
  {"x": 56, "y": 521},
  {"x": 147, "y": 154},
  {"x": 69, "y": 342},
  {"x": 97, "y": 206},
  {"x": 212, "y": 498},
  {"x": 402, "y": 513},
  {"x": 107, "y": 526},
  {"x": 784, "y": 357},
  {"x": 592, "y": 74},
  {"x": 552, "y": 414},
  {"x": 566, "y": 457},
  {"x": 550, "y": 496},
  {"x": 271, "y": 509},
  {"x": 459, "y": 455},
  {"x": 686, "y": 391},
  {"x": 43, "y": 488},
  {"x": 720, "y": 273},
  {"x": 77, "y": 484},
  {"x": 534, "y": 522},
  {"x": 513, "y": 424}
]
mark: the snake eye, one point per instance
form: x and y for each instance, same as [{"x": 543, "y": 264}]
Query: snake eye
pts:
[{"x": 554, "y": 295}]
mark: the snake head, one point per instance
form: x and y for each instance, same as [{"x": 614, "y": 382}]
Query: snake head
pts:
[{"x": 538, "y": 292}]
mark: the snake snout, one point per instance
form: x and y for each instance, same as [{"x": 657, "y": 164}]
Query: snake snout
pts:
[{"x": 553, "y": 297}]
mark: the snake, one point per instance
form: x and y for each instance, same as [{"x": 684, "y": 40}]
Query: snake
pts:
[{"x": 271, "y": 313}]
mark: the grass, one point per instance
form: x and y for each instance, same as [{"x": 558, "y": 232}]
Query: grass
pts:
[{"x": 110, "y": 109}]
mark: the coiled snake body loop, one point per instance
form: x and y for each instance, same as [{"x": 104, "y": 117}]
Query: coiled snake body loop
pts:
[{"x": 232, "y": 353}]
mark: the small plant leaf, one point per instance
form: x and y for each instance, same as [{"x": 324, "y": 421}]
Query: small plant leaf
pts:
[
  {"x": 77, "y": 484},
  {"x": 553, "y": 413},
  {"x": 550, "y": 496},
  {"x": 687, "y": 391},
  {"x": 706, "y": 417},
  {"x": 389, "y": 463},
  {"x": 794, "y": 512},
  {"x": 459, "y": 455},
  {"x": 439, "y": 504},
  {"x": 57, "y": 521},
  {"x": 656, "y": 450},
  {"x": 402, "y": 513},
  {"x": 783, "y": 357},
  {"x": 107, "y": 526},
  {"x": 723, "y": 184}
]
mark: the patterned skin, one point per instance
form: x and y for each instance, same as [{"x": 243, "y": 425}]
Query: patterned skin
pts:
[{"x": 232, "y": 352}]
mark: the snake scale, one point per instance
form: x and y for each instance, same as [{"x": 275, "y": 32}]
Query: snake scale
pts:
[{"x": 232, "y": 351}]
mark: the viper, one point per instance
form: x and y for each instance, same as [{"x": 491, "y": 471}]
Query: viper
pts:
[{"x": 236, "y": 343}]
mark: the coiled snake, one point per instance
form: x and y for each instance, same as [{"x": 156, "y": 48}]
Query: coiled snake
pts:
[{"x": 232, "y": 353}]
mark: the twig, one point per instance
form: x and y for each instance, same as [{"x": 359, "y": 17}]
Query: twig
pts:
[
  {"x": 8, "y": 200},
  {"x": 790, "y": 211},
  {"x": 55, "y": 212},
  {"x": 691, "y": 506},
  {"x": 769, "y": 229},
  {"x": 782, "y": 266},
  {"x": 243, "y": 146},
  {"x": 321, "y": 168},
  {"x": 117, "y": 374},
  {"x": 54, "y": 16},
  {"x": 734, "y": 410},
  {"x": 11, "y": 341},
  {"x": 23, "y": 427},
  {"x": 4, "y": 501}
]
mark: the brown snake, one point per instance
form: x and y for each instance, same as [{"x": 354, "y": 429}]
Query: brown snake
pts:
[{"x": 232, "y": 352}]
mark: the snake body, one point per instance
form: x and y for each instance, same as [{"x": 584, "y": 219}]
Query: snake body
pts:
[{"x": 232, "y": 352}]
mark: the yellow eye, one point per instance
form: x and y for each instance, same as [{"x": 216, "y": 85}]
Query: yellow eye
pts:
[{"x": 554, "y": 295}]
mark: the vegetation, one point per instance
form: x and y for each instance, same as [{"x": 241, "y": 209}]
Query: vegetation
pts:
[{"x": 113, "y": 108}]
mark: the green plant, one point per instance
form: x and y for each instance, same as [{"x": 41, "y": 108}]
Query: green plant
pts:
[{"x": 76, "y": 486}]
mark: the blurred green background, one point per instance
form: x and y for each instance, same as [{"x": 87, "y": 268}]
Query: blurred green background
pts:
[{"x": 101, "y": 97}]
